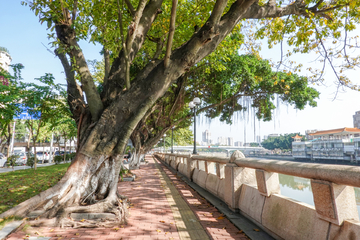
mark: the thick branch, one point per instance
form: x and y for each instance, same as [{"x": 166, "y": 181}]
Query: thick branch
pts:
[
  {"x": 217, "y": 12},
  {"x": 107, "y": 64},
  {"x": 117, "y": 73},
  {"x": 74, "y": 10},
  {"x": 67, "y": 36},
  {"x": 126, "y": 53},
  {"x": 75, "y": 94},
  {"x": 131, "y": 8},
  {"x": 133, "y": 30},
  {"x": 171, "y": 33},
  {"x": 297, "y": 8}
]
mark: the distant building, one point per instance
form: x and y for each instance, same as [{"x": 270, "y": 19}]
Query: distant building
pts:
[
  {"x": 230, "y": 141},
  {"x": 238, "y": 144},
  {"x": 5, "y": 58},
  {"x": 356, "y": 119},
  {"x": 258, "y": 139},
  {"x": 206, "y": 137},
  {"x": 297, "y": 138},
  {"x": 221, "y": 141},
  {"x": 340, "y": 133},
  {"x": 273, "y": 135},
  {"x": 308, "y": 134}
]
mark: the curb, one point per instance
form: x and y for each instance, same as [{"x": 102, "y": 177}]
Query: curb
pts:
[{"x": 9, "y": 228}]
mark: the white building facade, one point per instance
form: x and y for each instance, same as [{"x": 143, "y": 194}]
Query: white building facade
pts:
[{"x": 5, "y": 59}]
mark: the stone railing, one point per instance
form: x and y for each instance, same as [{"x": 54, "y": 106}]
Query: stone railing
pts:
[{"x": 251, "y": 186}]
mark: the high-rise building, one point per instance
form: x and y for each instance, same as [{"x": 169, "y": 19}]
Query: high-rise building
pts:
[
  {"x": 220, "y": 141},
  {"x": 206, "y": 136},
  {"x": 5, "y": 58},
  {"x": 258, "y": 139},
  {"x": 356, "y": 119},
  {"x": 238, "y": 144},
  {"x": 230, "y": 141}
]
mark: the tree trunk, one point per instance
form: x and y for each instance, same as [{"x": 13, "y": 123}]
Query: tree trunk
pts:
[
  {"x": 8, "y": 141},
  {"x": 90, "y": 183},
  {"x": 105, "y": 123},
  {"x": 64, "y": 148},
  {"x": 35, "y": 156},
  {"x": 134, "y": 162},
  {"x": 28, "y": 143}
]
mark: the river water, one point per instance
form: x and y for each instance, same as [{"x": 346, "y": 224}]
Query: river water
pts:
[{"x": 299, "y": 189}]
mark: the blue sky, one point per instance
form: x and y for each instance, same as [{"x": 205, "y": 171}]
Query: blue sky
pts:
[{"x": 26, "y": 40}]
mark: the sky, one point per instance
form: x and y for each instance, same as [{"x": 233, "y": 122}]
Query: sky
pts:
[{"x": 26, "y": 39}]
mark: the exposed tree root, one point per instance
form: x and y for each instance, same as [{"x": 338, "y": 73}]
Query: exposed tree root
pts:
[
  {"x": 89, "y": 187},
  {"x": 118, "y": 208}
]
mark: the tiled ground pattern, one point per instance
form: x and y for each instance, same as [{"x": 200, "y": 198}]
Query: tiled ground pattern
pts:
[
  {"x": 217, "y": 226},
  {"x": 151, "y": 216}
]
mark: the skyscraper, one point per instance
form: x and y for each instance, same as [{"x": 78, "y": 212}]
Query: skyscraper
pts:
[
  {"x": 230, "y": 141},
  {"x": 206, "y": 136}
]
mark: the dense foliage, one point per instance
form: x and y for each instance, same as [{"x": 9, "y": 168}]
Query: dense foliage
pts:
[{"x": 283, "y": 142}]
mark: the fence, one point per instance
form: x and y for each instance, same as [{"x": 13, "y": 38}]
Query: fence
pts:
[{"x": 251, "y": 186}]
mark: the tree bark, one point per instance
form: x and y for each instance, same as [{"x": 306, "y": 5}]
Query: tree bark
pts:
[{"x": 106, "y": 123}]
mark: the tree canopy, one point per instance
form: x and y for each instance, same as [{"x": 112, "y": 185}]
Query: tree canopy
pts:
[
  {"x": 165, "y": 40},
  {"x": 283, "y": 142}
]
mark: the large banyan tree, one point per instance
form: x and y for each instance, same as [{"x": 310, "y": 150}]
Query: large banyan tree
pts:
[{"x": 166, "y": 39}]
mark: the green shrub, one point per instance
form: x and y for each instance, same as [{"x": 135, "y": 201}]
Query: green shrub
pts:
[
  {"x": 58, "y": 159},
  {"x": 11, "y": 161},
  {"x": 30, "y": 161}
]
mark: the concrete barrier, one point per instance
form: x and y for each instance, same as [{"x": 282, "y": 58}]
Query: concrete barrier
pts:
[
  {"x": 174, "y": 163},
  {"x": 212, "y": 183},
  {"x": 182, "y": 168},
  {"x": 348, "y": 231},
  {"x": 251, "y": 186},
  {"x": 251, "y": 203},
  {"x": 221, "y": 189},
  {"x": 201, "y": 179},
  {"x": 293, "y": 220}
]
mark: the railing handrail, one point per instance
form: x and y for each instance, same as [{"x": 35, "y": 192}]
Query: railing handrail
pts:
[
  {"x": 339, "y": 174},
  {"x": 222, "y": 160}
]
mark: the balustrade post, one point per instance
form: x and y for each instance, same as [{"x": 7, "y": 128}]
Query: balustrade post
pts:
[
  {"x": 334, "y": 203},
  {"x": 267, "y": 182},
  {"x": 190, "y": 164},
  {"x": 218, "y": 173},
  {"x": 206, "y": 166},
  {"x": 234, "y": 177}
]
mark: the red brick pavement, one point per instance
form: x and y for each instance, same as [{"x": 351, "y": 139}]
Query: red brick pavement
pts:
[
  {"x": 150, "y": 214},
  {"x": 216, "y": 225}
]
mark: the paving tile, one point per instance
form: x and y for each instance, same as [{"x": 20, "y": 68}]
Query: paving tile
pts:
[{"x": 162, "y": 207}]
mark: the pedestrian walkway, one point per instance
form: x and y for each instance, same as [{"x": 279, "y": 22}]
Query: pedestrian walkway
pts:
[{"x": 162, "y": 207}]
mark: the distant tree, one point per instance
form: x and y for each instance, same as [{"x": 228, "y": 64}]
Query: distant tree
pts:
[
  {"x": 44, "y": 106},
  {"x": 11, "y": 90},
  {"x": 283, "y": 142}
]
